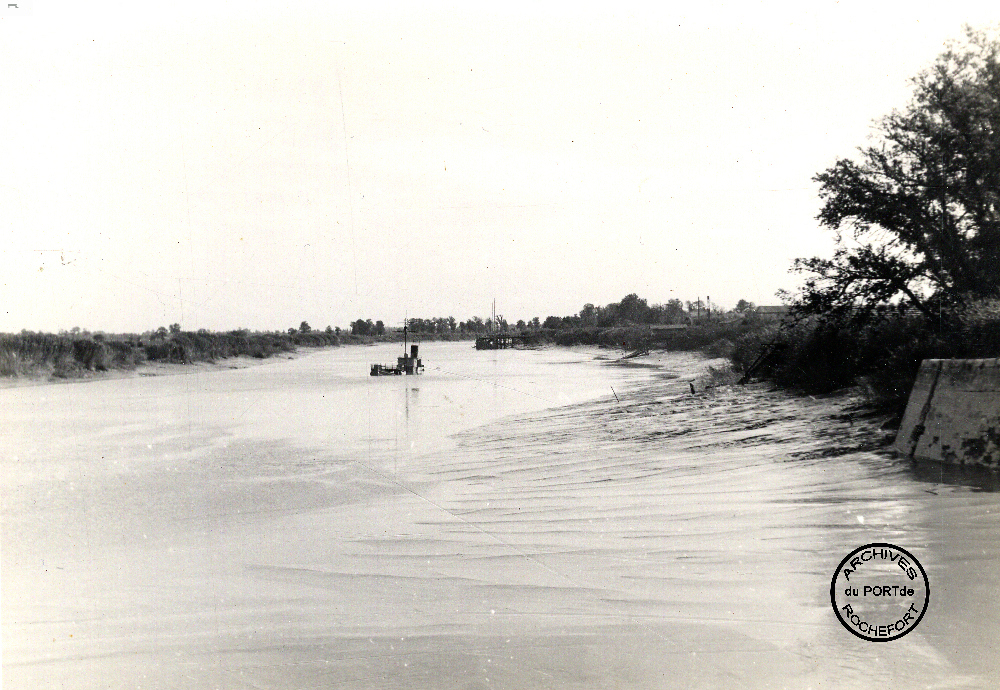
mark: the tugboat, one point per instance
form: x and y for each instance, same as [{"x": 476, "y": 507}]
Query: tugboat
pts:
[{"x": 404, "y": 365}]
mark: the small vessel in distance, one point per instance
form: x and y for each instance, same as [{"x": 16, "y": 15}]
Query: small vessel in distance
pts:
[
  {"x": 404, "y": 365},
  {"x": 500, "y": 341},
  {"x": 498, "y": 337}
]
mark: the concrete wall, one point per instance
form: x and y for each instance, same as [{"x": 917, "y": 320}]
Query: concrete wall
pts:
[{"x": 953, "y": 414}]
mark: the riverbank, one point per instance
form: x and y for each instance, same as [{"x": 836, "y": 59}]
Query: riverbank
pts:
[
  {"x": 43, "y": 377},
  {"x": 712, "y": 383}
]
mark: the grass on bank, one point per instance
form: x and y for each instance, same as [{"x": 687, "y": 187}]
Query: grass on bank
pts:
[{"x": 68, "y": 356}]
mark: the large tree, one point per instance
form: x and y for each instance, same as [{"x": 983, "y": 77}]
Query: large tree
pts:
[
  {"x": 917, "y": 213},
  {"x": 633, "y": 308}
]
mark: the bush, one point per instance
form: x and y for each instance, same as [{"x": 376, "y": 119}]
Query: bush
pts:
[
  {"x": 883, "y": 355},
  {"x": 721, "y": 348},
  {"x": 752, "y": 344}
]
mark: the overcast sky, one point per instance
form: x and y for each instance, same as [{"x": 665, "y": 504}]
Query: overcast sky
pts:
[{"x": 227, "y": 165}]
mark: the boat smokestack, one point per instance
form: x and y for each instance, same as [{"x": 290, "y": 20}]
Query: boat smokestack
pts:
[{"x": 413, "y": 351}]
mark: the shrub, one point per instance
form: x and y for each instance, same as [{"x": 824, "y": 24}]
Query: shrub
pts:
[{"x": 882, "y": 355}]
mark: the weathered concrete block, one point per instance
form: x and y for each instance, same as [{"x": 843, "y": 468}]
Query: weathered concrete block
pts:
[
  {"x": 953, "y": 414},
  {"x": 917, "y": 407}
]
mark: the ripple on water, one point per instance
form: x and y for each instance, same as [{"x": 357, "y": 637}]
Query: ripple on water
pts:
[{"x": 650, "y": 538}]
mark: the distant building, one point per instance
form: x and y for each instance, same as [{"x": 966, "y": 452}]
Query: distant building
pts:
[{"x": 769, "y": 313}]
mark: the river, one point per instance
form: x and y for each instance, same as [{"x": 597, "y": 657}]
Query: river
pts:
[{"x": 510, "y": 519}]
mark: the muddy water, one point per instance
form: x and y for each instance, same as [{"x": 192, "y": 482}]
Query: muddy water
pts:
[{"x": 530, "y": 519}]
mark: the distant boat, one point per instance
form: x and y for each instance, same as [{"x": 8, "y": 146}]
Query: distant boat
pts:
[
  {"x": 498, "y": 337},
  {"x": 404, "y": 365},
  {"x": 499, "y": 341}
]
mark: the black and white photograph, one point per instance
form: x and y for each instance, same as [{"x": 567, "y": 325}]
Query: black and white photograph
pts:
[{"x": 486, "y": 346}]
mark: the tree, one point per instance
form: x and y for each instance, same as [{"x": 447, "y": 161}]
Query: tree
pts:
[
  {"x": 608, "y": 315},
  {"x": 674, "y": 310},
  {"x": 743, "y": 306},
  {"x": 379, "y": 328},
  {"x": 633, "y": 308},
  {"x": 304, "y": 327},
  {"x": 175, "y": 328},
  {"x": 917, "y": 215}
]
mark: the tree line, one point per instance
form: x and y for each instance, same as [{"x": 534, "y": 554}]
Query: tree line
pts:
[{"x": 631, "y": 310}]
